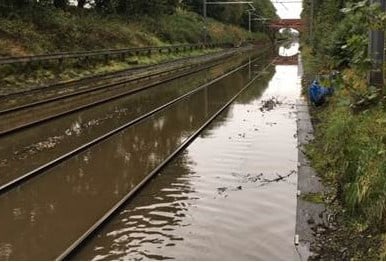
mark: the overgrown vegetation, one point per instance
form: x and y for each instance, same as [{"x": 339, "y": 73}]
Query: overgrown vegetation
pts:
[
  {"x": 29, "y": 27},
  {"x": 31, "y": 76},
  {"x": 349, "y": 150},
  {"x": 48, "y": 30}
]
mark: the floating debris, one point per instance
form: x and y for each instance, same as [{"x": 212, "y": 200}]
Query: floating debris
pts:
[
  {"x": 249, "y": 178},
  {"x": 3, "y": 162},
  {"x": 296, "y": 240},
  {"x": 279, "y": 177},
  {"x": 269, "y": 104},
  {"x": 221, "y": 190}
]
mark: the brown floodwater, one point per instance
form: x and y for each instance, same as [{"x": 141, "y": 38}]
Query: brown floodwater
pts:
[
  {"x": 10, "y": 121},
  {"x": 230, "y": 195},
  {"x": 43, "y": 216},
  {"x": 35, "y": 95},
  {"x": 23, "y": 151}
]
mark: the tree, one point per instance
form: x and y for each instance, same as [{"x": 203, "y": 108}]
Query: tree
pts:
[
  {"x": 104, "y": 6},
  {"x": 81, "y": 3},
  {"x": 62, "y": 4},
  {"x": 149, "y": 7},
  {"x": 233, "y": 14}
]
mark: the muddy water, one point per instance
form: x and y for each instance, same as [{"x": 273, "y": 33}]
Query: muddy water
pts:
[
  {"x": 231, "y": 195},
  {"x": 43, "y": 216},
  {"x": 26, "y": 150}
]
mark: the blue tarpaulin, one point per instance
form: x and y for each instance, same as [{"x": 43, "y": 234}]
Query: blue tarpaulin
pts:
[{"x": 318, "y": 93}]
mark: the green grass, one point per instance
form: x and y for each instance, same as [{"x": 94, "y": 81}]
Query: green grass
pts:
[
  {"x": 42, "y": 30},
  {"x": 45, "y": 30},
  {"x": 317, "y": 198},
  {"x": 349, "y": 151},
  {"x": 17, "y": 78}
]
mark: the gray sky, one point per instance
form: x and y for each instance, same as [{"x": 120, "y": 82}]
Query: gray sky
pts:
[
  {"x": 288, "y": 10},
  {"x": 285, "y": 10}
]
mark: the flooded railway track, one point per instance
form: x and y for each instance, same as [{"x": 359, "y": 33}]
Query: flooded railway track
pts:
[
  {"x": 40, "y": 94},
  {"x": 25, "y": 115},
  {"x": 75, "y": 245},
  {"x": 16, "y": 181},
  {"x": 43, "y": 146},
  {"x": 70, "y": 209}
]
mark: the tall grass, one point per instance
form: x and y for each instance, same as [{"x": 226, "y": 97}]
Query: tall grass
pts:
[{"x": 350, "y": 151}]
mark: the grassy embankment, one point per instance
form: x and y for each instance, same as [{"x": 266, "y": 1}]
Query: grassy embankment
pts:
[
  {"x": 349, "y": 154},
  {"x": 48, "y": 30}
]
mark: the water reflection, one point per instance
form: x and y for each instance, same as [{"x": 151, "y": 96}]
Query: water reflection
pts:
[
  {"x": 24, "y": 151},
  {"x": 221, "y": 197},
  {"x": 69, "y": 198},
  {"x": 290, "y": 49}
]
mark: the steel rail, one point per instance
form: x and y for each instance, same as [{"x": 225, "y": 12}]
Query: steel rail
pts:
[
  {"x": 17, "y": 181},
  {"x": 81, "y": 54},
  {"x": 79, "y": 92},
  {"x": 76, "y": 244},
  {"x": 106, "y": 76},
  {"x": 89, "y": 90},
  {"x": 100, "y": 101}
]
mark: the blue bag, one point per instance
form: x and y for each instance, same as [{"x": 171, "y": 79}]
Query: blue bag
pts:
[{"x": 318, "y": 93}]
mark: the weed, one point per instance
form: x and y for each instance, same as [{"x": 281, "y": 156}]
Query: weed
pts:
[{"x": 317, "y": 198}]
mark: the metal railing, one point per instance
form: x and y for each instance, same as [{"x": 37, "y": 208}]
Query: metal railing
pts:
[{"x": 107, "y": 53}]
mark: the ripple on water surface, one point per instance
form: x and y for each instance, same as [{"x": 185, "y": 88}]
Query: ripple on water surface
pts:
[{"x": 230, "y": 195}]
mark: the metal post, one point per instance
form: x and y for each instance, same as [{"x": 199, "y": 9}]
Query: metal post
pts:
[
  {"x": 376, "y": 52},
  {"x": 204, "y": 11},
  {"x": 250, "y": 69},
  {"x": 205, "y": 22},
  {"x": 312, "y": 21},
  {"x": 249, "y": 21}
]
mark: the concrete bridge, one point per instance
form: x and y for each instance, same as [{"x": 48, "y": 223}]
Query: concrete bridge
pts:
[{"x": 297, "y": 24}]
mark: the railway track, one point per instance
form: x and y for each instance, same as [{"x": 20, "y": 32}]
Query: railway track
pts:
[
  {"x": 25, "y": 115},
  {"x": 19, "y": 182},
  {"x": 16, "y": 148},
  {"x": 15, "y": 182},
  {"x": 104, "y": 219},
  {"x": 106, "y": 53},
  {"x": 36, "y": 94}
]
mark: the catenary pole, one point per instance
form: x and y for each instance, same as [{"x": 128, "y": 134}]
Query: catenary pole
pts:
[{"x": 376, "y": 52}]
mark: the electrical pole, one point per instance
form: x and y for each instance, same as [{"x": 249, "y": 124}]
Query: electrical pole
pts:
[
  {"x": 204, "y": 11},
  {"x": 249, "y": 21},
  {"x": 376, "y": 52},
  {"x": 205, "y": 22},
  {"x": 312, "y": 22}
]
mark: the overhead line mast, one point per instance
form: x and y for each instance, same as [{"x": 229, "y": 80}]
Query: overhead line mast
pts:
[{"x": 205, "y": 3}]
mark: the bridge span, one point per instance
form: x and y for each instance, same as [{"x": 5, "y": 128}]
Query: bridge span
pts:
[{"x": 297, "y": 24}]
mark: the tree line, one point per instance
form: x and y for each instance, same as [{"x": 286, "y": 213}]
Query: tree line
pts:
[{"x": 231, "y": 14}]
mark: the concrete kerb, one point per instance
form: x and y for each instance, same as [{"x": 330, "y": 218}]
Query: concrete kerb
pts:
[{"x": 309, "y": 215}]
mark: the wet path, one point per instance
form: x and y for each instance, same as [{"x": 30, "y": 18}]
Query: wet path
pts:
[
  {"x": 231, "y": 195},
  {"x": 28, "y": 149},
  {"x": 46, "y": 214}
]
